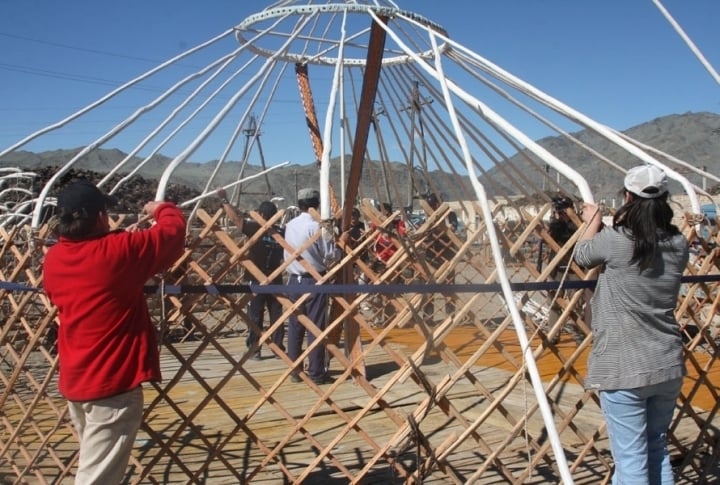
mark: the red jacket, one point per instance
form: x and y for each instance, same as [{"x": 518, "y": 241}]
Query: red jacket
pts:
[
  {"x": 106, "y": 341},
  {"x": 384, "y": 246}
]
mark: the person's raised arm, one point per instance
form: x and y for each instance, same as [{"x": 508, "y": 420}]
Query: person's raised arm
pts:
[
  {"x": 229, "y": 209},
  {"x": 157, "y": 247},
  {"x": 593, "y": 218}
]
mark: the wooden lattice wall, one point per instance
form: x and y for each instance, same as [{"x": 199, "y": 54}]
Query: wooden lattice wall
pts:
[{"x": 434, "y": 392}]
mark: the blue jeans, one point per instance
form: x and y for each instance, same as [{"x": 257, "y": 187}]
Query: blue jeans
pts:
[{"x": 637, "y": 423}]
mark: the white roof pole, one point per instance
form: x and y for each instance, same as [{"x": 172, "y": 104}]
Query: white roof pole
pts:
[
  {"x": 325, "y": 212},
  {"x": 518, "y": 322}
]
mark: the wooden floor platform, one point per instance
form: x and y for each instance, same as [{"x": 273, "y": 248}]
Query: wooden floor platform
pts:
[{"x": 291, "y": 417}]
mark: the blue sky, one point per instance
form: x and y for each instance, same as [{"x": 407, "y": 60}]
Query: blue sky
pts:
[{"x": 617, "y": 61}]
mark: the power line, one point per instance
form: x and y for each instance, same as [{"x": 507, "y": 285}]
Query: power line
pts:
[
  {"x": 70, "y": 77},
  {"x": 93, "y": 51},
  {"x": 57, "y": 75}
]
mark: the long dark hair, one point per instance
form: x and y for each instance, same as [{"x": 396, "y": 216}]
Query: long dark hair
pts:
[{"x": 648, "y": 222}]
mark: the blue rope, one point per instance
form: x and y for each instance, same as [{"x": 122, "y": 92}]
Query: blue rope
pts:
[{"x": 383, "y": 289}]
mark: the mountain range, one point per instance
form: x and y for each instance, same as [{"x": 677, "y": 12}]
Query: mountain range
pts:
[{"x": 691, "y": 137}]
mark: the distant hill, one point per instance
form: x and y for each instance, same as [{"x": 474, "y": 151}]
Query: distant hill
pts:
[{"x": 692, "y": 137}]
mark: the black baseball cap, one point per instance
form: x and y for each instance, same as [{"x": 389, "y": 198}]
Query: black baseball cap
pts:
[{"x": 83, "y": 199}]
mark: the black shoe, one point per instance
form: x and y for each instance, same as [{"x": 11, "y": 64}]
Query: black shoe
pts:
[
  {"x": 295, "y": 378},
  {"x": 326, "y": 379},
  {"x": 257, "y": 356}
]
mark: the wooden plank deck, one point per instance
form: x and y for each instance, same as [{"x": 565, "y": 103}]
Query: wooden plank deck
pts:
[
  {"x": 294, "y": 418},
  {"x": 239, "y": 422}
]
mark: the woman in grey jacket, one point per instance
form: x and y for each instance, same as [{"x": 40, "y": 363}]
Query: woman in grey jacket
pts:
[{"x": 636, "y": 363}]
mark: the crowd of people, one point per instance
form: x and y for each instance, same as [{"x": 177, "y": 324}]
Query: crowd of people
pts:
[
  {"x": 108, "y": 348},
  {"x": 305, "y": 267}
]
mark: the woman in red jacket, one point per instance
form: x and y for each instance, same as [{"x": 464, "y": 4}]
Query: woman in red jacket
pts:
[{"x": 107, "y": 345}]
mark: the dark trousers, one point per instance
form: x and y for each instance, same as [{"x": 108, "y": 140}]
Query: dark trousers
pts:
[
  {"x": 315, "y": 308},
  {"x": 256, "y": 312}
]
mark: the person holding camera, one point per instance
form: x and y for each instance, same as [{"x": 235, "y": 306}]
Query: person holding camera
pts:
[{"x": 561, "y": 228}]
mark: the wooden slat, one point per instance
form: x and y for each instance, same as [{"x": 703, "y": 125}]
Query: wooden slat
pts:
[{"x": 443, "y": 400}]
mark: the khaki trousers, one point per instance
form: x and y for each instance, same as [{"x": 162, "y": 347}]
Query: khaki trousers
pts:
[{"x": 107, "y": 428}]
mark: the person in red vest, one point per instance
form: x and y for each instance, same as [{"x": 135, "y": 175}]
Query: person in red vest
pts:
[{"x": 384, "y": 246}]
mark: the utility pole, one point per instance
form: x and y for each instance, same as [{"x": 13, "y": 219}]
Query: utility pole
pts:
[
  {"x": 415, "y": 108},
  {"x": 252, "y": 136}
]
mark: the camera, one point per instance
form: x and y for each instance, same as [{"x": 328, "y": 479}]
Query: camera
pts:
[{"x": 560, "y": 203}]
